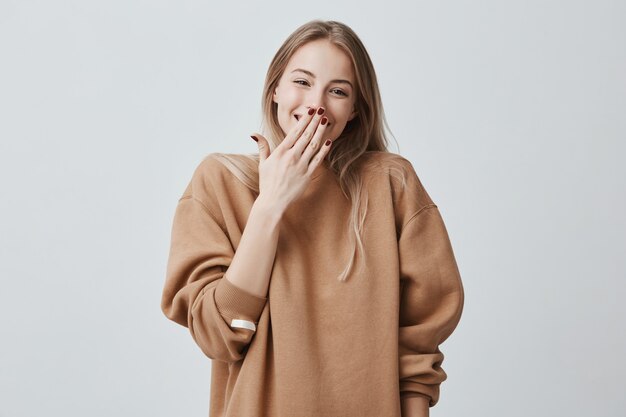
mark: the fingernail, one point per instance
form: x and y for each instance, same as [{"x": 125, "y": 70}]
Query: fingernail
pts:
[
  {"x": 324, "y": 120},
  {"x": 320, "y": 111},
  {"x": 311, "y": 111},
  {"x": 254, "y": 137},
  {"x": 328, "y": 142}
]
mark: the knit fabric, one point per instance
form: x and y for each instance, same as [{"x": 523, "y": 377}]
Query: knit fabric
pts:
[{"x": 316, "y": 346}]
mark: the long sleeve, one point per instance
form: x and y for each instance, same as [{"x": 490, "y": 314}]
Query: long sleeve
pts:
[
  {"x": 221, "y": 317},
  {"x": 431, "y": 302}
]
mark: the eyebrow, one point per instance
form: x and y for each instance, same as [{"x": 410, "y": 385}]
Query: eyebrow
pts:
[{"x": 310, "y": 74}]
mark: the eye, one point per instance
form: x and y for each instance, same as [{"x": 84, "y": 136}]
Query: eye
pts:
[{"x": 336, "y": 90}]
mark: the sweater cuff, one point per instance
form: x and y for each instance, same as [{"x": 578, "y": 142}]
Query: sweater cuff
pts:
[
  {"x": 431, "y": 400},
  {"x": 236, "y": 303}
]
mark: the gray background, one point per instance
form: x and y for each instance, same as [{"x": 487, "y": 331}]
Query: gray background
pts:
[{"x": 513, "y": 114}]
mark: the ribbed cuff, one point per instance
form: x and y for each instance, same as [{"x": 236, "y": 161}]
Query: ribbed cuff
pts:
[
  {"x": 409, "y": 398},
  {"x": 413, "y": 389},
  {"x": 236, "y": 303}
]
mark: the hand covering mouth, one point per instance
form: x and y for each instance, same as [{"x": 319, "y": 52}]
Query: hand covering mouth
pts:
[{"x": 297, "y": 116}]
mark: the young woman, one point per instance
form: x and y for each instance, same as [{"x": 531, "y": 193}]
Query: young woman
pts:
[{"x": 317, "y": 275}]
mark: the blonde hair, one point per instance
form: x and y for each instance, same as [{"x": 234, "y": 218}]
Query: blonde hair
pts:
[{"x": 364, "y": 133}]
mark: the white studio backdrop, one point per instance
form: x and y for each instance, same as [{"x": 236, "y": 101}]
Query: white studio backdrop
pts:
[{"x": 512, "y": 113}]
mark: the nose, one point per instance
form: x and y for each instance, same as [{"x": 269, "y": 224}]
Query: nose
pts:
[{"x": 316, "y": 98}]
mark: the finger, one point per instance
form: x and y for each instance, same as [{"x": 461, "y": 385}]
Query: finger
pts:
[
  {"x": 309, "y": 132},
  {"x": 295, "y": 133},
  {"x": 319, "y": 157},
  {"x": 316, "y": 142},
  {"x": 264, "y": 148}
]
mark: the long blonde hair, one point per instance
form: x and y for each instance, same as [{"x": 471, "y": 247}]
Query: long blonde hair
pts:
[{"x": 364, "y": 133}]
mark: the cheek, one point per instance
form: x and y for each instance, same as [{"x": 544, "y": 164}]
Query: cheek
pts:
[
  {"x": 343, "y": 113},
  {"x": 290, "y": 97}
]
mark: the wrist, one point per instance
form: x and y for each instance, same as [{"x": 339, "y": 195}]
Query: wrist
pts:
[{"x": 269, "y": 210}]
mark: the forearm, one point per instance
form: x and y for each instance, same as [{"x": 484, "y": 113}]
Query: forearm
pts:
[
  {"x": 251, "y": 266},
  {"x": 415, "y": 406}
]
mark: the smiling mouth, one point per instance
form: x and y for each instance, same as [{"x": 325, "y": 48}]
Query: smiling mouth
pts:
[{"x": 297, "y": 116}]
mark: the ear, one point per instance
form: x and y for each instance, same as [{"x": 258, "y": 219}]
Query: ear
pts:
[{"x": 274, "y": 96}]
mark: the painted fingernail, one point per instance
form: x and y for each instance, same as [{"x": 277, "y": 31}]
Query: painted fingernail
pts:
[
  {"x": 324, "y": 120},
  {"x": 328, "y": 142},
  {"x": 254, "y": 137},
  {"x": 311, "y": 111},
  {"x": 320, "y": 111}
]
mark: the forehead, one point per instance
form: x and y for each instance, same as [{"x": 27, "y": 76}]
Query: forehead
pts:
[{"x": 323, "y": 59}]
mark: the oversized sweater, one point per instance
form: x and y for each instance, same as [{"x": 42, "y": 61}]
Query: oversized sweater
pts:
[{"x": 317, "y": 346}]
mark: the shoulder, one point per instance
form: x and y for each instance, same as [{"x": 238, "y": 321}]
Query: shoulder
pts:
[
  {"x": 384, "y": 162},
  {"x": 399, "y": 173},
  {"x": 212, "y": 175}
]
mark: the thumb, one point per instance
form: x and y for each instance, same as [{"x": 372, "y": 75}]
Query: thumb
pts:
[{"x": 264, "y": 148}]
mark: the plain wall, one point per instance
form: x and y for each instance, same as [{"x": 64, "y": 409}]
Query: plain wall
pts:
[{"x": 512, "y": 113}]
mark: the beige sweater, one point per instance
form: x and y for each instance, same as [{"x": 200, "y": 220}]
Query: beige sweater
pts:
[{"x": 317, "y": 346}]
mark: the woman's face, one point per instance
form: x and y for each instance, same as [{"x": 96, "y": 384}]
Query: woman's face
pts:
[{"x": 319, "y": 74}]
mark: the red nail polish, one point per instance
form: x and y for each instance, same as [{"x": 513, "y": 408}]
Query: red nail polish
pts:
[
  {"x": 328, "y": 142},
  {"x": 254, "y": 137},
  {"x": 320, "y": 111},
  {"x": 311, "y": 111},
  {"x": 324, "y": 120}
]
